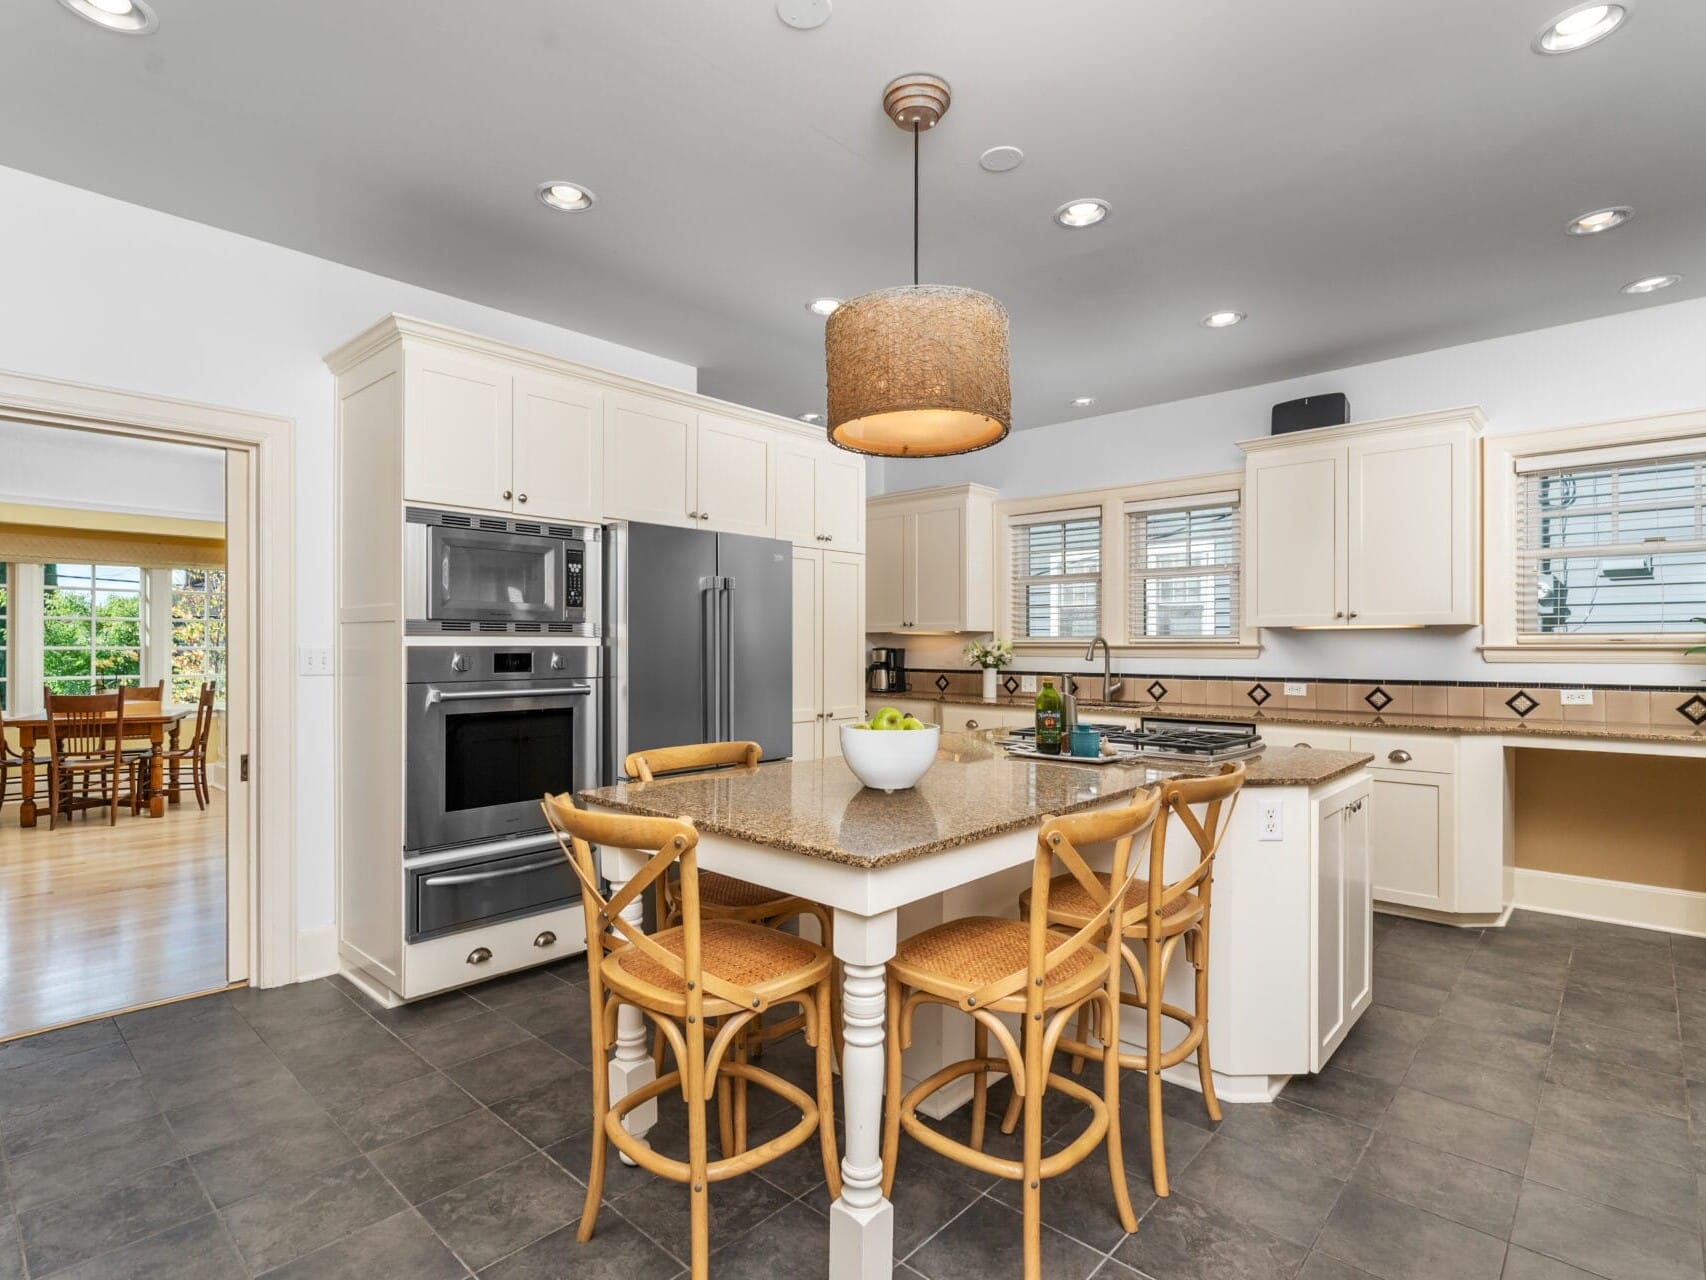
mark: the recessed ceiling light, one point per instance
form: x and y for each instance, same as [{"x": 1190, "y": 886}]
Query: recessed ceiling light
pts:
[
  {"x": 1579, "y": 27},
  {"x": 1001, "y": 159},
  {"x": 1083, "y": 402},
  {"x": 1086, "y": 212},
  {"x": 1600, "y": 220},
  {"x": 823, "y": 306},
  {"x": 803, "y": 15},
  {"x": 1221, "y": 319},
  {"x": 1650, "y": 284},
  {"x": 811, "y": 417},
  {"x": 565, "y": 197},
  {"x": 129, "y": 17}
]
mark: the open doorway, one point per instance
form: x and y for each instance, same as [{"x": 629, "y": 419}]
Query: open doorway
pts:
[{"x": 123, "y": 875}]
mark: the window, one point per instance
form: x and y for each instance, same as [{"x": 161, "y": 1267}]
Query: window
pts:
[
  {"x": 198, "y": 633},
  {"x": 91, "y": 627},
  {"x": 1610, "y": 548},
  {"x": 1056, "y": 566},
  {"x": 5, "y": 635},
  {"x": 1183, "y": 568}
]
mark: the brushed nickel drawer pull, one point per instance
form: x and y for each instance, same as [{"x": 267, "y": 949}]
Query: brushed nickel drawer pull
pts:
[
  {"x": 1400, "y": 756},
  {"x": 546, "y": 939},
  {"x": 479, "y": 955}
]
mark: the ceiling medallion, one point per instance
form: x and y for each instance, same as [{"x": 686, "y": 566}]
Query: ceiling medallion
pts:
[{"x": 919, "y": 370}]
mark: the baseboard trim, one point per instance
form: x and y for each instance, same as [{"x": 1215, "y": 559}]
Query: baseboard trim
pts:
[
  {"x": 316, "y": 953},
  {"x": 1612, "y": 901}
]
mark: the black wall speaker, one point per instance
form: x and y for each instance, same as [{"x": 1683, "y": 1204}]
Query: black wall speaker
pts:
[{"x": 1311, "y": 411}]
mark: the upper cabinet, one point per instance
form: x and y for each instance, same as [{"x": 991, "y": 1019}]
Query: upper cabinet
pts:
[
  {"x": 651, "y": 460},
  {"x": 734, "y": 492},
  {"x": 1368, "y": 525},
  {"x": 930, "y": 560},
  {"x": 820, "y": 497},
  {"x": 559, "y": 447}
]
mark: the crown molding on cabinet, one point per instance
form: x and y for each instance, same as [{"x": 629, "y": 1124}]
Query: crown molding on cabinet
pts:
[{"x": 1470, "y": 414}]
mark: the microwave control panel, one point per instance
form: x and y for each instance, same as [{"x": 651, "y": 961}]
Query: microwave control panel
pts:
[{"x": 576, "y": 588}]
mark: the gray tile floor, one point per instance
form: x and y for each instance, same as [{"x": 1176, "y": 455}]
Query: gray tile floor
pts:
[{"x": 1527, "y": 1103}]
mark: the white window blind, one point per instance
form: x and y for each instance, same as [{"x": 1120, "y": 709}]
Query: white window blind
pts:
[
  {"x": 1055, "y": 562},
  {"x": 1611, "y": 548},
  {"x": 1183, "y": 568}
]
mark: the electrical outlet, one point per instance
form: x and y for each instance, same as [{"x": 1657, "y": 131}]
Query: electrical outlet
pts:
[
  {"x": 1576, "y": 697},
  {"x": 313, "y": 662},
  {"x": 1295, "y": 690},
  {"x": 1027, "y": 684},
  {"x": 1268, "y": 823}
]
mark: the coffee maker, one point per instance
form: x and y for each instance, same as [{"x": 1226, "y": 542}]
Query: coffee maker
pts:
[{"x": 886, "y": 672}]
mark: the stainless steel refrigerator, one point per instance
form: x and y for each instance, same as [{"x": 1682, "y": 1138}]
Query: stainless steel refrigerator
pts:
[{"x": 700, "y": 630}]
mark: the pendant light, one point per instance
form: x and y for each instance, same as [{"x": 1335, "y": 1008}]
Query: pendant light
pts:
[{"x": 917, "y": 371}]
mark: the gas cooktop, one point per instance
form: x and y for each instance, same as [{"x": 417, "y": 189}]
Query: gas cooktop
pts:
[{"x": 1164, "y": 739}]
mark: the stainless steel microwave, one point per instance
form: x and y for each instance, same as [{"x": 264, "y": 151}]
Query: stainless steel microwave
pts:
[{"x": 470, "y": 574}]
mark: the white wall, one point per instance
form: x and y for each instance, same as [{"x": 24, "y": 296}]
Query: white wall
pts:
[
  {"x": 1648, "y": 360},
  {"x": 58, "y": 467},
  {"x": 94, "y": 290}
]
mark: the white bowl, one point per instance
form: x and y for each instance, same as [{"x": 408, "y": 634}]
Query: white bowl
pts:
[{"x": 890, "y": 759}]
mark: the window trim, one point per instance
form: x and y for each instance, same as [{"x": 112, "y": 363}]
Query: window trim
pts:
[
  {"x": 1114, "y": 585},
  {"x": 95, "y": 648},
  {"x": 1503, "y": 459}
]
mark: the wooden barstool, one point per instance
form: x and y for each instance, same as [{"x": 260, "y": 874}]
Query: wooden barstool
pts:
[
  {"x": 1160, "y": 913},
  {"x": 729, "y": 971},
  {"x": 728, "y": 897},
  {"x": 988, "y": 967}
]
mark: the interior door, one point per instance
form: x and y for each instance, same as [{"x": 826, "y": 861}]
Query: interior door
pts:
[
  {"x": 457, "y": 431},
  {"x": 559, "y": 448},
  {"x": 649, "y": 467},
  {"x": 735, "y": 492},
  {"x": 808, "y": 652},
  {"x": 843, "y": 645},
  {"x": 239, "y": 684}
]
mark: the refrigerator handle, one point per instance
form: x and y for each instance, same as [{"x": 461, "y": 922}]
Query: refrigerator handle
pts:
[
  {"x": 710, "y": 660},
  {"x": 726, "y": 645}
]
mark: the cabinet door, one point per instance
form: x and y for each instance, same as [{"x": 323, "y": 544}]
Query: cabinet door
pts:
[
  {"x": 734, "y": 477},
  {"x": 808, "y": 652},
  {"x": 1410, "y": 838},
  {"x": 1359, "y": 910},
  {"x": 937, "y": 558},
  {"x": 885, "y": 585},
  {"x": 843, "y": 637},
  {"x": 1295, "y": 541},
  {"x": 1329, "y": 1021},
  {"x": 559, "y": 448},
  {"x": 840, "y": 496},
  {"x": 796, "y": 496},
  {"x": 649, "y": 465},
  {"x": 1410, "y": 529},
  {"x": 456, "y": 431}
]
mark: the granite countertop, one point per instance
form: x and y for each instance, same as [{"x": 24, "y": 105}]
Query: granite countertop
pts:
[
  {"x": 974, "y": 791},
  {"x": 1511, "y": 726}
]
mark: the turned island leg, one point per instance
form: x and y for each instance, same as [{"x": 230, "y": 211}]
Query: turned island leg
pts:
[
  {"x": 631, "y": 1064},
  {"x": 861, "y": 1222}
]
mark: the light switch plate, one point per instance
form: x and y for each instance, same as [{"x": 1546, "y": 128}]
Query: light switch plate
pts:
[
  {"x": 313, "y": 662},
  {"x": 1027, "y": 684},
  {"x": 1576, "y": 697},
  {"x": 1294, "y": 689}
]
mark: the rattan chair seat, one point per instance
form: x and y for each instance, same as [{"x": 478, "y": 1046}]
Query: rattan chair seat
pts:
[
  {"x": 955, "y": 959},
  {"x": 769, "y": 962},
  {"x": 732, "y": 894},
  {"x": 1069, "y": 904}
]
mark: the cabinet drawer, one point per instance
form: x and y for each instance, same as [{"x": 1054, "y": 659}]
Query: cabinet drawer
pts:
[
  {"x": 1281, "y": 735},
  {"x": 1427, "y": 752},
  {"x": 454, "y": 960},
  {"x": 956, "y": 719}
]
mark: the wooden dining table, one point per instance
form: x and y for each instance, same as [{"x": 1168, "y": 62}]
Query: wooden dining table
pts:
[{"x": 159, "y": 724}]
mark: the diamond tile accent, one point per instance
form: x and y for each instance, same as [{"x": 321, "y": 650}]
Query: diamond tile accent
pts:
[
  {"x": 1694, "y": 710},
  {"x": 1011, "y": 684},
  {"x": 1378, "y": 698},
  {"x": 1258, "y": 693},
  {"x": 942, "y": 683},
  {"x": 1156, "y": 690},
  {"x": 1521, "y": 703}
]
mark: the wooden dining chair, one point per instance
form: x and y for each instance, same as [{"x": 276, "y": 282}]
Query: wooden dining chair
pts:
[
  {"x": 686, "y": 978},
  {"x": 140, "y": 699},
  {"x": 995, "y": 971},
  {"x": 194, "y": 753},
  {"x": 11, "y": 760},
  {"x": 85, "y": 743},
  {"x": 1160, "y": 915},
  {"x": 729, "y": 897}
]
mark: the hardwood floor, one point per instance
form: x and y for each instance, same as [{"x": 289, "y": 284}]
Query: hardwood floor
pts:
[{"x": 96, "y": 918}]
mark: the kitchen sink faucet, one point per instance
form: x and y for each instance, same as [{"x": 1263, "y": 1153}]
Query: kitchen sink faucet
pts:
[{"x": 1110, "y": 686}]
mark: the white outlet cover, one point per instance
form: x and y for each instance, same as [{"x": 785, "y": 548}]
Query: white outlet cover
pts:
[
  {"x": 1270, "y": 823},
  {"x": 1295, "y": 689},
  {"x": 1576, "y": 697},
  {"x": 1027, "y": 684}
]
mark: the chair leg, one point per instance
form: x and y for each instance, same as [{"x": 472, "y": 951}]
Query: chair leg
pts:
[
  {"x": 979, "y": 1085},
  {"x": 725, "y": 1116},
  {"x": 112, "y": 796},
  {"x": 743, "y": 1055},
  {"x": 1200, "y": 957},
  {"x": 600, "y": 1140},
  {"x": 1111, "y": 1099},
  {"x": 1036, "y": 1071},
  {"x": 1010, "y": 1121},
  {"x": 1152, "y": 1065},
  {"x": 891, "y": 1087},
  {"x": 698, "y": 1185},
  {"x": 1083, "y": 1038},
  {"x": 825, "y": 1049}
]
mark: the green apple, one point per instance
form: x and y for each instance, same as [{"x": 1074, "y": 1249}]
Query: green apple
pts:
[
  {"x": 862, "y": 725},
  {"x": 912, "y": 722},
  {"x": 887, "y": 718}
]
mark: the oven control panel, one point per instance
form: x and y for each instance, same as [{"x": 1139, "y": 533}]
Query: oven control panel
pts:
[
  {"x": 574, "y": 593},
  {"x": 434, "y": 664}
]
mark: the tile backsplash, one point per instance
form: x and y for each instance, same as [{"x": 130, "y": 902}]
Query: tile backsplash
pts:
[{"x": 1539, "y": 703}]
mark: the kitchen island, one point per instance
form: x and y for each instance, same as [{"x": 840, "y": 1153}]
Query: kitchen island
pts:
[{"x": 1291, "y": 938}]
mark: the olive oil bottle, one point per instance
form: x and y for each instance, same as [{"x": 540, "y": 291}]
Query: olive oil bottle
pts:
[{"x": 1048, "y": 719}]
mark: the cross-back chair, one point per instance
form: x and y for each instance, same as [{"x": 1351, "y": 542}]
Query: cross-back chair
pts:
[
  {"x": 685, "y": 978},
  {"x": 996, "y": 971},
  {"x": 85, "y": 744}
]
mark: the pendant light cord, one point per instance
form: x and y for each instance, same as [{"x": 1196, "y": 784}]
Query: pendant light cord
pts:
[{"x": 915, "y": 203}]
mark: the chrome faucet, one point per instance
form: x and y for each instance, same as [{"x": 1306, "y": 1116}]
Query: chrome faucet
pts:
[{"x": 1110, "y": 686}]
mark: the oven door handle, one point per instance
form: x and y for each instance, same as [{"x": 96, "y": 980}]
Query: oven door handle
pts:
[
  {"x": 474, "y": 877},
  {"x": 435, "y": 694}
]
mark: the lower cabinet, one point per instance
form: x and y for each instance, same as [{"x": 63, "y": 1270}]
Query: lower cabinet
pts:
[
  {"x": 959, "y": 717},
  {"x": 477, "y": 954},
  {"x": 1344, "y": 903}
]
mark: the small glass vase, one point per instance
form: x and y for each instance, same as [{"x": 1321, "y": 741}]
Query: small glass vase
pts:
[{"x": 989, "y": 674}]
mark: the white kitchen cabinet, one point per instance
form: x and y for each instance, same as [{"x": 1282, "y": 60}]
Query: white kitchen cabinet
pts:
[
  {"x": 819, "y": 497},
  {"x": 558, "y": 447},
  {"x": 1367, "y": 525},
  {"x": 958, "y": 717},
  {"x": 930, "y": 560},
  {"x": 734, "y": 491},
  {"x": 1343, "y": 955},
  {"x": 458, "y": 430},
  {"x": 650, "y": 460},
  {"x": 829, "y": 633}
]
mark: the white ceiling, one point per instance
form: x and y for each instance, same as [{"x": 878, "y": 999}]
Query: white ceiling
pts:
[{"x": 1366, "y": 178}]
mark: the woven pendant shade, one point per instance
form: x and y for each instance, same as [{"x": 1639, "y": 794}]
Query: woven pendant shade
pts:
[{"x": 918, "y": 371}]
